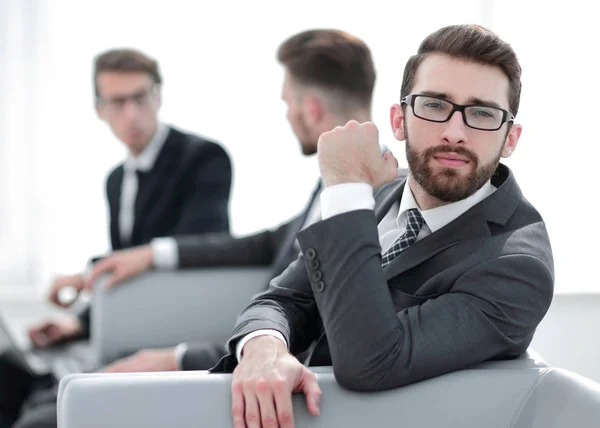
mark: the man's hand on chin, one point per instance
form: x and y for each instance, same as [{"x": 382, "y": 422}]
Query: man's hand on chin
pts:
[{"x": 148, "y": 360}]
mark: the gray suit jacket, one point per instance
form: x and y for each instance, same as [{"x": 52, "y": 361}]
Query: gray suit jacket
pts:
[{"x": 472, "y": 291}]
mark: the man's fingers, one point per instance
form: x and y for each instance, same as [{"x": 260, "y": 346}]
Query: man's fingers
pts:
[
  {"x": 38, "y": 337},
  {"x": 251, "y": 407},
  {"x": 53, "y": 333},
  {"x": 121, "y": 366},
  {"x": 389, "y": 171},
  {"x": 283, "y": 403},
  {"x": 391, "y": 163},
  {"x": 312, "y": 392},
  {"x": 100, "y": 268},
  {"x": 237, "y": 405},
  {"x": 268, "y": 417},
  {"x": 116, "y": 277}
]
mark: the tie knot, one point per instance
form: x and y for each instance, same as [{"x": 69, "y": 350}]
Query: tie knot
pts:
[{"x": 415, "y": 219}]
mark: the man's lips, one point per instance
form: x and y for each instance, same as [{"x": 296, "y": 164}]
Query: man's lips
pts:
[{"x": 452, "y": 160}]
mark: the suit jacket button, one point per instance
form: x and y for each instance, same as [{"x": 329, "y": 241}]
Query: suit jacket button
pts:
[
  {"x": 320, "y": 286},
  {"x": 314, "y": 264},
  {"x": 317, "y": 275},
  {"x": 311, "y": 254}
]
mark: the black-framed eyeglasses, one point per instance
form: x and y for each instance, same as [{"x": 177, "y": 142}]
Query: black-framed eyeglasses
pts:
[
  {"x": 141, "y": 99},
  {"x": 437, "y": 109}
]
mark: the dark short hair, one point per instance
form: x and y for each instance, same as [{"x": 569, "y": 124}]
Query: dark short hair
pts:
[
  {"x": 472, "y": 43},
  {"x": 125, "y": 60},
  {"x": 330, "y": 59}
]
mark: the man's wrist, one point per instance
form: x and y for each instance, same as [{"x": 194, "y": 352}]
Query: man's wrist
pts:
[
  {"x": 265, "y": 343},
  {"x": 334, "y": 179},
  {"x": 261, "y": 332}
]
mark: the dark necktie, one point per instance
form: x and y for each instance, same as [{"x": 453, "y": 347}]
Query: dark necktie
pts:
[{"x": 413, "y": 226}]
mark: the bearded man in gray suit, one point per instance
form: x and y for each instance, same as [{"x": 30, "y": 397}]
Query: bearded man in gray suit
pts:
[{"x": 445, "y": 267}]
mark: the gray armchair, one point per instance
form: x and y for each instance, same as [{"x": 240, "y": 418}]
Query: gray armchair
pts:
[
  {"x": 521, "y": 393},
  {"x": 165, "y": 308}
]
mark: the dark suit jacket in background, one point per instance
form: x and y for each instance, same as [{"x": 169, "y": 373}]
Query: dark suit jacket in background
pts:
[
  {"x": 186, "y": 191},
  {"x": 472, "y": 291}
]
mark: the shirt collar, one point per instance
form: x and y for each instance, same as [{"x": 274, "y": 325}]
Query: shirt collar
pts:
[
  {"x": 436, "y": 218},
  {"x": 146, "y": 159}
]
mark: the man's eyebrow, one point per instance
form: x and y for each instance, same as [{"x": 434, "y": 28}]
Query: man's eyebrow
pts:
[
  {"x": 479, "y": 101},
  {"x": 135, "y": 93},
  {"x": 437, "y": 94},
  {"x": 472, "y": 100}
]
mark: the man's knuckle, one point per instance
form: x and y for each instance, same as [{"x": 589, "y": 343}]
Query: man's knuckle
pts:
[
  {"x": 252, "y": 417},
  {"x": 284, "y": 416},
  {"x": 237, "y": 386},
  {"x": 269, "y": 421},
  {"x": 237, "y": 410}
]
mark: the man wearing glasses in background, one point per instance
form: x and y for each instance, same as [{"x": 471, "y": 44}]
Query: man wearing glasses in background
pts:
[{"x": 170, "y": 184}]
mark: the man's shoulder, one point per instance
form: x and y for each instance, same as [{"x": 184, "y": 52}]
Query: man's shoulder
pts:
[
  {"x": 115, "y": 173},
  {"x": 193, "y": 145},
  {"x": 193, "y": 140}
]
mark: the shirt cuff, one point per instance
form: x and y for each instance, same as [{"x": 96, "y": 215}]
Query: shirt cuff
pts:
[
  {"x": 265, "y": 332},
  {"x": 165, "y": 254},
  {"x": 346, "y": 197},
  {"x": 180, "y": 351}
]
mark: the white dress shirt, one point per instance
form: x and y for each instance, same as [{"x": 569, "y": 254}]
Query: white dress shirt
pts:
[
  {"x": 348, "y": 197},
  {"x": 129, "y": 188}
]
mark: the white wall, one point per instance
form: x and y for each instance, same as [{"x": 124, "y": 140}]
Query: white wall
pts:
[
  {"x": 568, "y": 336},
  {"x": 222, "y": 80}
]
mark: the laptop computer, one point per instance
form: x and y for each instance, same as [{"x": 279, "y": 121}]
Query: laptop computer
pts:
[{"x": 58, "y": 361}]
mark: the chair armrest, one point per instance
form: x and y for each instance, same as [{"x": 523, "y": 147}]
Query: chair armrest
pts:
[
  {"x": 160, "y": 309},
  {"x": 502, "y": 397}
]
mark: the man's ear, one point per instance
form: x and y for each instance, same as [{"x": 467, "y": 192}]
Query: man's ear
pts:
[
  {"x": 512, "y": 139},
  {"x": 314, "y": 109},
  {"x": 397, "y": 122}
]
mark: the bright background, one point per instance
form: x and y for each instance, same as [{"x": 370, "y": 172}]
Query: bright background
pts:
[{"x": 222, "y": 81}]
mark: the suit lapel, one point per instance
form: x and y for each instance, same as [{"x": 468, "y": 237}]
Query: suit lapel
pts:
[
  {"x": 473, "y": 224},
  {"x": 467, "y": 227}
]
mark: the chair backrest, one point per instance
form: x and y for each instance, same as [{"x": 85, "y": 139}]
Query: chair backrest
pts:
[
  {"x": 492, "y": 397},
  {"x": 166, "y": 308}
]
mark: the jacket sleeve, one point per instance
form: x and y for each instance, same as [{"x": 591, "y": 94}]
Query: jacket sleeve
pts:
[
  {"x": 217, "y": 250},
  {"x": 205, "y": 208}
]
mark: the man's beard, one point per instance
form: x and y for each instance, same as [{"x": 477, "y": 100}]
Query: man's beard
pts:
[
  {"x": 308, "y": 147},
  {"x": 303, "y": 133},
  {"x": 448, "y": 185}
]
